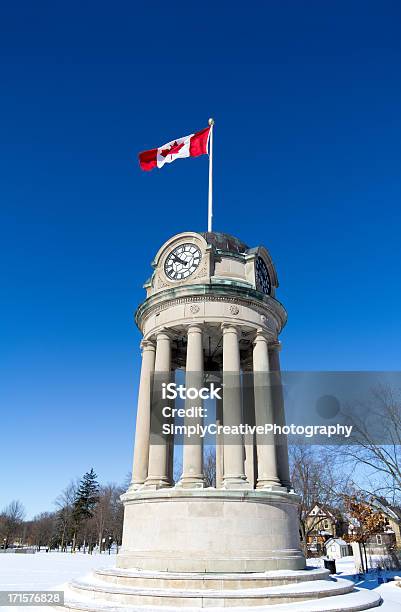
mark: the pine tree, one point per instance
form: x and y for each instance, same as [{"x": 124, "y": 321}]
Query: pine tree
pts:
[
  {"x": 87, "y": 495},
  {"x": 86, "y": 498}
]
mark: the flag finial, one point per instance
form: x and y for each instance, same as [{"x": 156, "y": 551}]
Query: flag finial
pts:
[{"x": 211, "y": 121}]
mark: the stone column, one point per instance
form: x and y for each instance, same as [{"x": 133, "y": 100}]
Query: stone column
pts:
[
  {"x": 170, "y": 451},
  {"x": 158, "y": 476},
  {"x": 142, "y": 431},
  {"x": 234, "y": 474},
  {"x": 279, "y": 416},
  {"x": 248, "y": 412},
  {"x": 192, "y": 475},
  {"x": 266, "y": 451},
  {"x": 219, "y": 445}
]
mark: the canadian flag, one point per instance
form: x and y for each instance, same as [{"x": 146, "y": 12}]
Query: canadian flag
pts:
[{"x": 187, "y": 146}]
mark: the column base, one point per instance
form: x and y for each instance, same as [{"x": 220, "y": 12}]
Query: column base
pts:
[
  {"x": 135, "y": 486},
  {"x": 235, "y": 483},
  {"x": 270, "y": 485},
  {"x": 154, "y": 484},
  {"x": 191, "y": 482}
]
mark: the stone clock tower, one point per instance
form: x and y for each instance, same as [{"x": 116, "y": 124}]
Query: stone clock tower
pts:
[
  {"x": 211, "y": 313},
  {"x": 210, "y": 306}
]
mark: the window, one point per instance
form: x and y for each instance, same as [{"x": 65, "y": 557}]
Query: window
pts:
[
  {"x": 326, "y": 524},
  {"x": 379, "y": 539}
]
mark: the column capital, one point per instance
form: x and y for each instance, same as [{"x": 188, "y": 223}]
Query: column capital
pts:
[
  {"x": 194, "y": 328},
  {"x": 275, "y": 346},
  {"x": 229, "y": 328},
  {"x": 261, "y": 336},
  {"x": 148, "y": 345},
  {"x": 163, "y": 334}
]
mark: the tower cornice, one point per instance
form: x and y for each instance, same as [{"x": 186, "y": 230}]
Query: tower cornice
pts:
[{"x": 232, "y": 292}]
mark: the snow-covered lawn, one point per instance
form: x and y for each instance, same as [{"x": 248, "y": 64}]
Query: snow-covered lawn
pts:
[
  {"x": 51, "y": 570},
  {"x": 391, "y": 595},
  {"x": 346, "y": 565},
  {"x": 47, "y": 570},
  {"x": 390, "y": 592}
]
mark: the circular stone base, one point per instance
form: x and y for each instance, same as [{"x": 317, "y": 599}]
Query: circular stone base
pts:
[
  {"x": 122, "y": 590},
  {"x": 210, "y": 530}
]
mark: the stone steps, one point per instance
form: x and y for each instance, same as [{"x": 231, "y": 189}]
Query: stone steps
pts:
[
  {"x": 309, "y": 590},
  {"x": 355, "y": 601},
  {"x": 187, "y": 580},
  {"x": 210, "y": 597}
]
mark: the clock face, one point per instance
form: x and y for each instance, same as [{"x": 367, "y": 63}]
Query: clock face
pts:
[
  {"x": 182, "y": 262},
  {"x": 263, "y": 283}
]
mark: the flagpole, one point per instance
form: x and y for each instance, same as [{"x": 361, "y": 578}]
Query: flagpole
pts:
[{"x": 210, "y": 199}]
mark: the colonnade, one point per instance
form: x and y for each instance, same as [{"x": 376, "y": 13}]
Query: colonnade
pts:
[{"x": 152, "y": 467}]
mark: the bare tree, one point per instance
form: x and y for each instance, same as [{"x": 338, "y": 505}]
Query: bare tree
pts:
[
  {"x": 376, "y": 444},
  {"x": 317, "y": 481},
  {"x": 64, "y": 513},
  {"x": 117, "y": 515},
  {"x": 11, "y": 522},
  {"x": 43, "y": 529},
  {"x": 103, "y": 512},
  {"x": 209, "y": 466}
]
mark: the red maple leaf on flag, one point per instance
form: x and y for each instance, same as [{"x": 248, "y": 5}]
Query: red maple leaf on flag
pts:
[{"x": 173, "y": 150}]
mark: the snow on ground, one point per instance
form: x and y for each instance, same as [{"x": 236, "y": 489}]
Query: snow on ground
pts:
[
  {"x": 389, "y": 591},
  {"x": 45, "y": 571},
  {"x": 48, "y": 571},
  {"x": 345, "y": 566},
  {"x": 391, "y": 595}
]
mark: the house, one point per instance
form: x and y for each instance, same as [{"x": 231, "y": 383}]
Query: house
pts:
[
  {"x": 323, "y": 523},
  {"x": 392, "y": 516},
  {"x": 336, "y": 548},
  {"x": 388, "y": 540}
]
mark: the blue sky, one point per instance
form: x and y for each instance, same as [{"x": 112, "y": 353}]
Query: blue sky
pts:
[{"x": 306, "y": 98}]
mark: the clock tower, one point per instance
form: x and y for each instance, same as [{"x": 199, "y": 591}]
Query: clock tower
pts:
[
  {"x": 211, "y": 305},
  {"x": 211, "y": 318}
]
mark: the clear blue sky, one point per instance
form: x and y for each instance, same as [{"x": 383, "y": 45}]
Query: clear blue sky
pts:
[{"x": 307, "y": 102}]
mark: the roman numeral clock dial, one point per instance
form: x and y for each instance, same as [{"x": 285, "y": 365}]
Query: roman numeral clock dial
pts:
[{"x": 182, "y": 262}]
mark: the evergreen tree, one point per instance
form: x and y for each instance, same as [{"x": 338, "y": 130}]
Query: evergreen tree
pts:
[{"x": 86, "y": 498}]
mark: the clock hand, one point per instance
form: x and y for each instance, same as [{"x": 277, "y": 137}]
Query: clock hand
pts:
[{"x": 181, "y": 261}]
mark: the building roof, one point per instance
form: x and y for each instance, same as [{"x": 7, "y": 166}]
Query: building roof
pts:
[
  {"x": 338, "y": 541},
  {"x": 321, "y": 510},
  {"x": 393, "y": 512}
]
